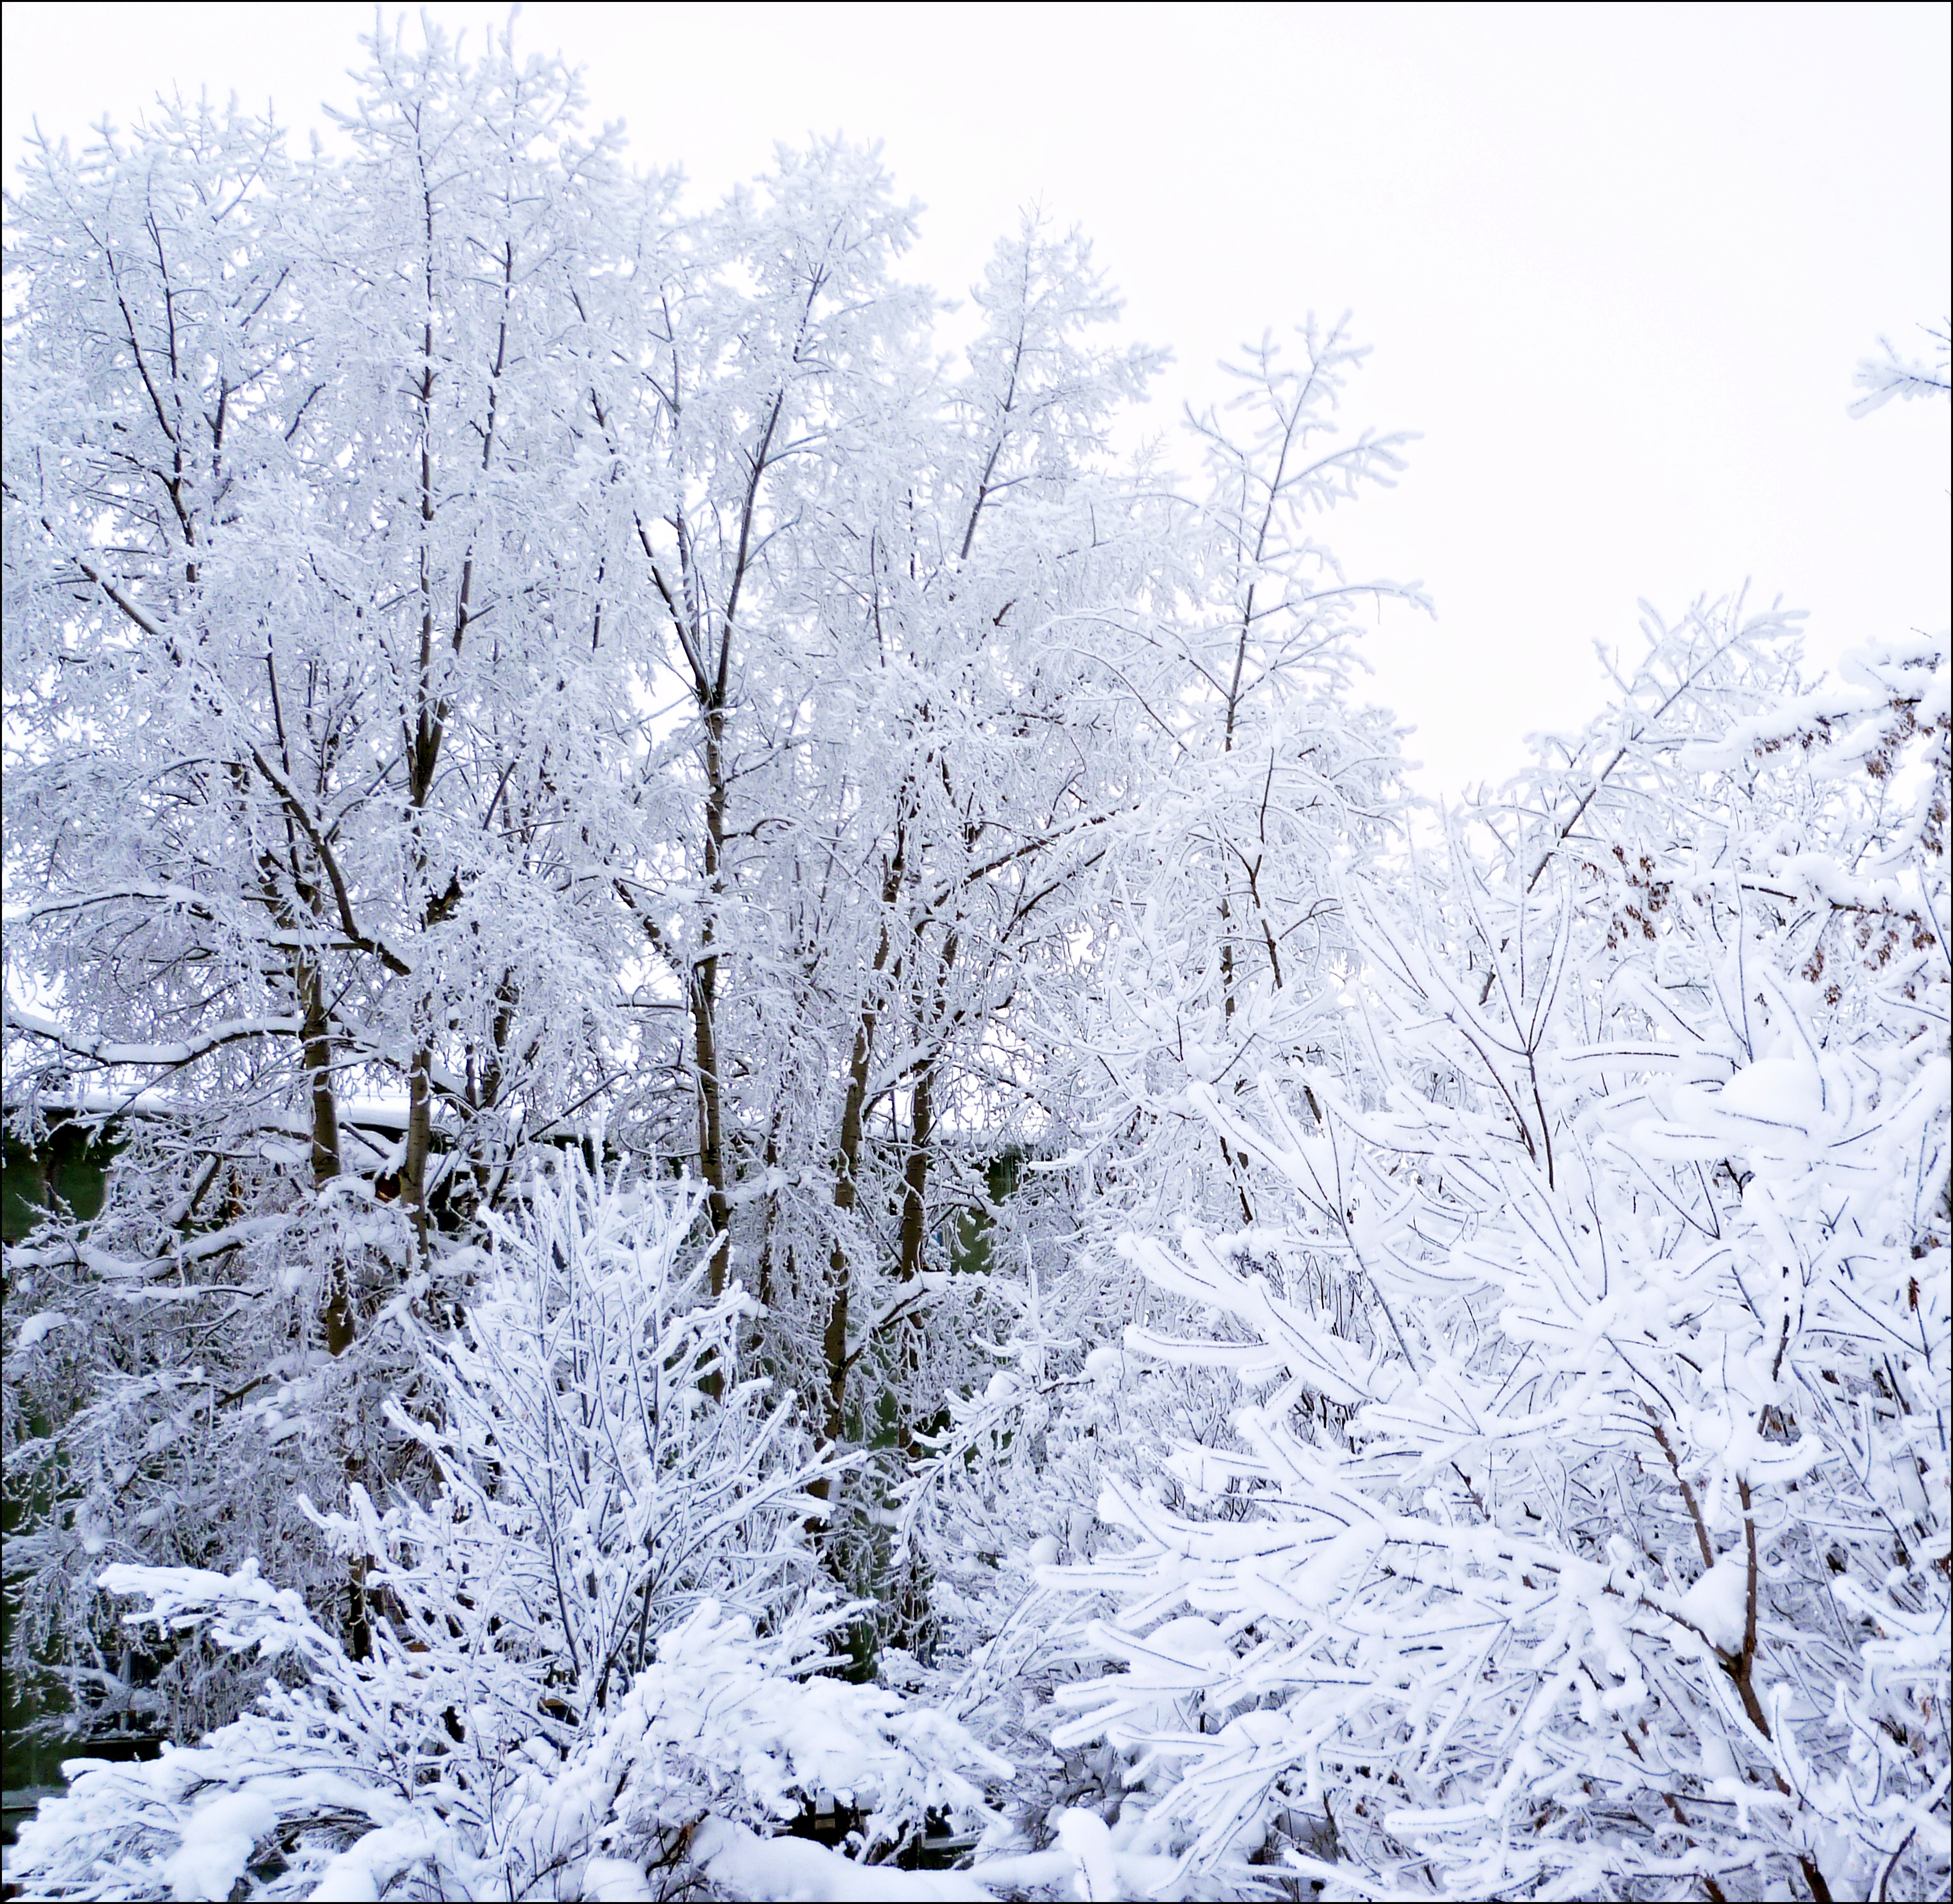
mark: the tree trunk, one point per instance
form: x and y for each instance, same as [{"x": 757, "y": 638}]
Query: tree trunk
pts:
[
  {"x": 915, "y": 1175},
  {"x": 317, "y": 1033},
  {"x": 848, "y": 1157},
  {"x": 921, "y": 1131},
  {"x": 420, "y": 1141},
  {"x": 705, "y": 1012},
  {"x": 335, "y": 1319}
]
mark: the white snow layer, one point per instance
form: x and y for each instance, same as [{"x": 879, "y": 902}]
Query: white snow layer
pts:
[{"x": 1719, "y": 1604}]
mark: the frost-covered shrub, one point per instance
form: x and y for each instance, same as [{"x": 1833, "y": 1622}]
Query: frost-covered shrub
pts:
[
  {"x": 597, "y": 1633},
  {"x": 1622, "y": 1569},
  {"x": 354, "y": 1785},
  {"x": 169, "y": 1402}
]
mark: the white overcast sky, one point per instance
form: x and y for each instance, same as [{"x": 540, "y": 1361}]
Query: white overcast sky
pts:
[{"x": 1617, "y": 262}]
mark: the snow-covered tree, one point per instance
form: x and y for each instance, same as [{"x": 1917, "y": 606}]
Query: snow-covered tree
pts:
[
  {"x": 1891, "y": 374},
  {"x": 1211, "y": 936},
  {"x": 886, "y": 595},
  {"x": 312, "y": 744}
]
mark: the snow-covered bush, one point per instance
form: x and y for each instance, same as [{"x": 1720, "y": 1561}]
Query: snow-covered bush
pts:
[
  {"x": 1616, "y": 1563},
  {"x": 170, "y": 1400},
  {"x": 597, "y": 1634},
  {"x": 355, "y": 1785}
]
